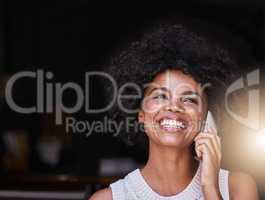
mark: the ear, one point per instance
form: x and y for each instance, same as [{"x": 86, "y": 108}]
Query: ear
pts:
[{"x": 141, "y": 116}]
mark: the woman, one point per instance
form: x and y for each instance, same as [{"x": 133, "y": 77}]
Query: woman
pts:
[{"x": 183, "y": 74}]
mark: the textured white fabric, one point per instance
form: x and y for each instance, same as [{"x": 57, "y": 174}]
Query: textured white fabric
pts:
[{"x": 134, "y": 187}]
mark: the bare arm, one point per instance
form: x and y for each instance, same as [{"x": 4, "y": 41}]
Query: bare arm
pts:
[
  {"x": 104, "y": 194},
  {"x": 242, "y": 187}
]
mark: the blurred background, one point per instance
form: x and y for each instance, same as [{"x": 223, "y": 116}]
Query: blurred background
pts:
[{"x": 42, "y": 160}]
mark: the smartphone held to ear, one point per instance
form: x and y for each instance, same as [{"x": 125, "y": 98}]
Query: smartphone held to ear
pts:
[
  {"x": 209, "y": 123},
  {"x": 207, "y": 126}
]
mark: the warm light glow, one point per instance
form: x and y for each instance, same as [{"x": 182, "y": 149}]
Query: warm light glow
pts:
[{"x": 260, "y": 141}]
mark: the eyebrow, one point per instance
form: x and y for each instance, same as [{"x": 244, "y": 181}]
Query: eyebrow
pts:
[
  {"x": 189, "y": 92},
  {"x": 158, "y": 88}
]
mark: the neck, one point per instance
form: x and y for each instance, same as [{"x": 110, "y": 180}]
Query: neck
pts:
[{"x": 169, "y": 170}]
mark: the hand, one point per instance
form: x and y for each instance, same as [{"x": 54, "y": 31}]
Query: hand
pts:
[{"x": 208, "y": 150}]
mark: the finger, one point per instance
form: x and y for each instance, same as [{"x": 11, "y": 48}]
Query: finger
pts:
[
  {"x": 198, "y": 152},
  {"x": 209, "y": 131},
  {"x": 203, "y": 149},
  {"x": 218, "y": 139},
  {"x": 211, "y": 141},
  {"x": 215, "y": 139},
  {"x": 208, "y": 143},
  {"x": 206, "y": 153},
  {"x": 212, "y": 130}
]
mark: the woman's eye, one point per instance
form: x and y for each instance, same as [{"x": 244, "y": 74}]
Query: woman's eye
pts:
[
  {"x": 160, "y": 96},
  {"x": 191, "y": 100}
]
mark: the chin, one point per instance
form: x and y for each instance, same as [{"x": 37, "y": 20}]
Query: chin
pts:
[{"x": 170, "y": 140}]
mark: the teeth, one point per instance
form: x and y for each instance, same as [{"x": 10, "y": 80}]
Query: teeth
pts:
[{"x": 172, "y": 123}]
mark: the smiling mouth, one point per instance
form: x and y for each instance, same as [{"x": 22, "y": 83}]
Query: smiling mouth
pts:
[{"x": 172, "y": 125}]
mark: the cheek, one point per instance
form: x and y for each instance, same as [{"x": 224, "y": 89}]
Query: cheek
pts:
[
  {"x": 197, "y": 119},
  {"x": 151, "y": 106}
]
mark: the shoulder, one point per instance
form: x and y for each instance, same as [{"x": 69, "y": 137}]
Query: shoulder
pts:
[
  {"x": 104, "y": 194},
  {"x": 242, "y": 186}
]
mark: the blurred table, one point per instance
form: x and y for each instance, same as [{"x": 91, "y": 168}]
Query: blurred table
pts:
[{"x": 51, "y": 186}]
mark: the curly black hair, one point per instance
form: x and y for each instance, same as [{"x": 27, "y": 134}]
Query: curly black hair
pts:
[{"x": 171, "y": 46}]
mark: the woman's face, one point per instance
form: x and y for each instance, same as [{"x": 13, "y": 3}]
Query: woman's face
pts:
[{"x": 173, "y": 109}]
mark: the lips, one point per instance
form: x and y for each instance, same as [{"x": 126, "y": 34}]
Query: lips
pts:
[{"x": 173, "y": 124}]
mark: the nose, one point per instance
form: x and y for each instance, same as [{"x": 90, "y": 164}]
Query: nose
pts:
[{"x": 174, "y": 107}]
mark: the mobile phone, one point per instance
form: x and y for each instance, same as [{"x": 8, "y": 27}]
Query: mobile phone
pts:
[{"x": 209, "y": 123}]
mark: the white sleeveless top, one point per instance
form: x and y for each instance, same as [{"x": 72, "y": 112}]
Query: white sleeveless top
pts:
[{"x": 134, "y": 187}]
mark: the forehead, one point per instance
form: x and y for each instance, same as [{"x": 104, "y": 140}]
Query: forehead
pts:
[{"x": 175, "y": 80}]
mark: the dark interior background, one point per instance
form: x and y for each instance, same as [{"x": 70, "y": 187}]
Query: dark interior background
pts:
[{"x": 70, "y": 38}]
